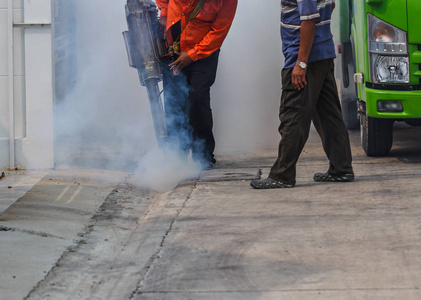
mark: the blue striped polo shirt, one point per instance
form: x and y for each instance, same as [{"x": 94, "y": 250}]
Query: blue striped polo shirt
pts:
[{"x": 295, "y": 11}]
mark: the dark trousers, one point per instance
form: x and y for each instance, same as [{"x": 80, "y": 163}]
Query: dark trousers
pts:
[
  {"x": 319, "y": 102},
  {"x": 187, "y": 107}
]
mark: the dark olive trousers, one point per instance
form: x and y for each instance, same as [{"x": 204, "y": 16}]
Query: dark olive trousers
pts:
[{"x": 317, "y": 101}]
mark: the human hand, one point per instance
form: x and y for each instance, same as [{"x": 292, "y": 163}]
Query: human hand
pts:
[
  {"x": 298, "y": 77},
  {"x": 182, "y": 61},
  {"x": 163, "y": 21}
]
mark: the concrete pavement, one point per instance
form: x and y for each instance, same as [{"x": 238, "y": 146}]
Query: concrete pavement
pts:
[
  {"x": 216, "y": 238},
  {"x": 15, "y": 184}
]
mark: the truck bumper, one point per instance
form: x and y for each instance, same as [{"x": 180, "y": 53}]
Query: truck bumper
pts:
[{"x": 411, "y": 102}]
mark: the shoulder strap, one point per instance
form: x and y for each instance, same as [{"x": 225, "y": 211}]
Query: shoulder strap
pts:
[
  {"x": 176, "y": 45},
  {"x": 197, "y": 9}
]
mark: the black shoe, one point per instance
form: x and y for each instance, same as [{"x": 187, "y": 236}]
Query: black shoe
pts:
[
  {"x": 269, "y": 183},
  {"x": 326, "y": 177}
]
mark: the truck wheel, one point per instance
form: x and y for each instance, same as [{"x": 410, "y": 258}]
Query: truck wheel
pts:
[{"x": 376, "y": 135}]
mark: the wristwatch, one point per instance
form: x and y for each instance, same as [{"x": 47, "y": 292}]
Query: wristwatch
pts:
[{"x": 302, "y": 65}]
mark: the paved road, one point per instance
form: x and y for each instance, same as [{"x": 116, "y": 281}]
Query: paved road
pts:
[{"x": 216, "y": 238}]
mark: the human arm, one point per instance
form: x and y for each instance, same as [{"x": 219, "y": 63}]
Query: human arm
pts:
[
  {"x": 163, "y": 7},
  {"x": 309, "y": 15},
  {"x": 213, "y": 40},
  {"x": 307, "y": 32}
]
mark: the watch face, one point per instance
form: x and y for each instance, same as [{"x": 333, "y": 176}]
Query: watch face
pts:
[{"x": 302, "y": 65}]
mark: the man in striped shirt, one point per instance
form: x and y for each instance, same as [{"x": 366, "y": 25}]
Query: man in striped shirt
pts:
[{"x": 309, "y": 93}]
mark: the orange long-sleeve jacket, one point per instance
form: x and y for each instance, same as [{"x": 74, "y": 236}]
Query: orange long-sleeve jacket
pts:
[{"x": 204, "y": 34}]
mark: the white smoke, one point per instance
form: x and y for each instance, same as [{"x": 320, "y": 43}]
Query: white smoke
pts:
[
  {"x": 108, "y": 113},
  {"x": 246, "y": 94},
  {"x": 105, "y": 121}
]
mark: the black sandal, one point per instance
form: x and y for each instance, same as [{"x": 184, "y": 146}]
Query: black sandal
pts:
[{"x": 326, "y": 177}]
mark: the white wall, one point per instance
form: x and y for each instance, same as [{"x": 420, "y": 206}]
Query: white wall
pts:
[
  {"x": 246, "y": 95},
  {"x": 33, "y": 96},
  {"x": 35, "y": 149},
  {"x": 4, "y": 79}
]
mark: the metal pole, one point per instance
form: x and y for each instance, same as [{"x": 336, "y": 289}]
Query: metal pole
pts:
[
  {"x": 11, "y": 86},
  {"x": 158, "y": 115}
]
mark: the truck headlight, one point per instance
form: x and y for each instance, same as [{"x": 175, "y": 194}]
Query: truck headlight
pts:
[
  {"x": 382, "y": 32},
  {"x": 390, "y": 69},
  {"x": 389, "y": 62}
]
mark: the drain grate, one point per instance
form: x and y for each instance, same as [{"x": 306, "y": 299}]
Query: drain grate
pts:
[{"x": 230, "y": 174}]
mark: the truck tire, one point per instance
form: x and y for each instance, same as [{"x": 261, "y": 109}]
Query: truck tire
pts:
[{"x": 376, "y": 135}]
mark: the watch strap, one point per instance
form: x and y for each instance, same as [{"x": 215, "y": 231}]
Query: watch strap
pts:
[{"x": 302, "y": 65}]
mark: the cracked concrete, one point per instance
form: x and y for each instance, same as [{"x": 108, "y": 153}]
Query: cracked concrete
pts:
[
  {"x": 14, "y": 184},
  {"x": 120, "y": 243},
  {"x": 32, "y": 232},
  {"x": 216, "y": 238},
  {"x": 157, "y": 255},
  {"x": 40, "y": 226}
]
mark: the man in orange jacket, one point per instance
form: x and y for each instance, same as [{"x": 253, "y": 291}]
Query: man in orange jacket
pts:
[{"x": 199, "y": 38}]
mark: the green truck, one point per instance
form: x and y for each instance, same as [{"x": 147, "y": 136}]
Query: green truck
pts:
[{"x": 381, "y": 68}]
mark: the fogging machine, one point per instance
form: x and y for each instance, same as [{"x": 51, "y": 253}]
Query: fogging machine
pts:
[{"x": 146, "y": 47}]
